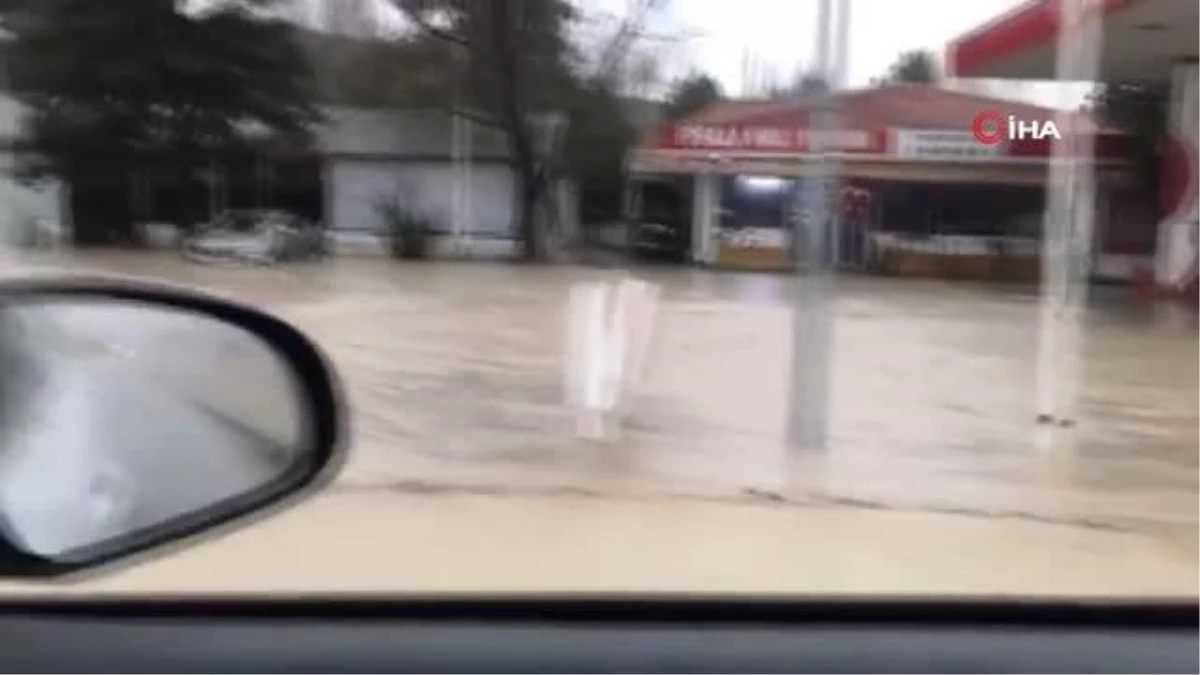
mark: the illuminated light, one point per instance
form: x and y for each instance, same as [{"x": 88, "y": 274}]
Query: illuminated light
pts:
[{"x": 762, "y": 183}]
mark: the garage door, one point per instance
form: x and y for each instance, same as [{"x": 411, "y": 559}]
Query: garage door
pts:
[{"x": 357, "y": 186}]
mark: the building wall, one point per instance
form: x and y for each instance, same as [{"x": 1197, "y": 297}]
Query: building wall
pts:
[
  {"x": 22, "y": 205},
  {"x": 10, "y": 117},
  {"x": 367, "y": 132},
  {"x": 356, "y": 186},
  {"x": 23, "y": 208},
  {"x": 459, "y": 178},
  {"x": 455, "y": 173}
]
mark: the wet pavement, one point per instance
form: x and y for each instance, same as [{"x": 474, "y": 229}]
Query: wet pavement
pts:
[{"x": 454, "y": 375}]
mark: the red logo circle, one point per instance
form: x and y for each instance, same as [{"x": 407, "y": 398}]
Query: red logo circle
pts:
[
  {"x": 984, "y": 134},
  {"x": 1177, "y": 176}
]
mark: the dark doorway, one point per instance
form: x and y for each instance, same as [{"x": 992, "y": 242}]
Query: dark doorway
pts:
[
  {"x": 664, "y": 228},
  {"x": 183, "y": 201},
  {"x": 291, "y": 183},
  {"x": 101, "y": 209},
  {"x": 296, "y": 185},
  {"x": 104, "y": 208}
]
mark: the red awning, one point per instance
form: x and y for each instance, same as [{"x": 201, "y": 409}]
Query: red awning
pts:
[{"x": 1031, "y": 26}]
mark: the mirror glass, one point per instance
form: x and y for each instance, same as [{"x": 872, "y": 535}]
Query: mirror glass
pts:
[{"x": 118, "y": 418}]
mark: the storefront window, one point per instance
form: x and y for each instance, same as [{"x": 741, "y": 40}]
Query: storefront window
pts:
[{"x": 754, "y": 202}]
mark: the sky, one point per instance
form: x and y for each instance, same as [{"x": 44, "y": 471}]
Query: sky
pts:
[
  {"x": 721, "y": 36},
  {"x": 779, "y": 35}
]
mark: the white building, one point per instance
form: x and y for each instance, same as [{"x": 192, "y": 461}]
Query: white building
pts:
[
  {"x": 370, "y": 155},
  {"x": 23, "y": 207},
  {"x": 454, "y": 172}
]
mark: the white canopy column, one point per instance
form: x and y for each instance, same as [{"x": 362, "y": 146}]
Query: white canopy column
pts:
[
  {"x": 1177, "y": 252},
  {"x": 705, "y": 206}
]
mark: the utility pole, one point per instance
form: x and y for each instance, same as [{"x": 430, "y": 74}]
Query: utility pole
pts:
[{"x": 815, "y": 218}]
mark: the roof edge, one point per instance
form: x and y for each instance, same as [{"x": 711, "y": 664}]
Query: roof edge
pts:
[
  {"x": 1029, "y": 25},
  {"x": 858, "y": 92}
]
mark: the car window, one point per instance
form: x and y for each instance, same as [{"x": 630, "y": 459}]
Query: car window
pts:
[{"x": 768, "y": 297}]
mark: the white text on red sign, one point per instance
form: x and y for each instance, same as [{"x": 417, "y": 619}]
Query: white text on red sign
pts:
[{"x": 768, "y": 138}]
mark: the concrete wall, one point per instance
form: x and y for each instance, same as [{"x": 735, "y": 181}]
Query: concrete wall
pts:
[
  {"x": 21, "y": 206},
  {"x": 344, "y": 242}
]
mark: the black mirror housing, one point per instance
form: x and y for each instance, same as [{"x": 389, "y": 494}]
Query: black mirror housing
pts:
[{"x": 176, "y": 448}]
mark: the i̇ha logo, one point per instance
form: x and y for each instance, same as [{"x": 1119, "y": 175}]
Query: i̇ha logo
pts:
[{"x": 990, "y": 127}]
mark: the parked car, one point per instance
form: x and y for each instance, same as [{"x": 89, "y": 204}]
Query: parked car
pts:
[
  {"x": 256, "y": 236},
  {"x": 654, "y": 241}
]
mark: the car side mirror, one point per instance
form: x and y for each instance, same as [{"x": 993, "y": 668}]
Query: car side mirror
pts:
[{"x": 135, "y": 417}]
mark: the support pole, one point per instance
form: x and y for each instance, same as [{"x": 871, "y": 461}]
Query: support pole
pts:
[
  {"x": 808, "y": 422},
  {"x": 1067, "y": 233}
]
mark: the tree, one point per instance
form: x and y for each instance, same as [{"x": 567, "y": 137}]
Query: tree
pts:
[
  {"x": 512, "y": 65},
  {"x": 114, "y": 89},
  {"x": 1134, "y": 108},
  {"x": 805, "y": 84},
  {"x": 919, "y": 67},
  {"x": 691, "y": 94},
  {"x": 810, "y": 84},
  {"x": 598, "y": 137}
]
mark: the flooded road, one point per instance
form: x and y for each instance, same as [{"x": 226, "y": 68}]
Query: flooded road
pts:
[{"x": 454, "y": 376}]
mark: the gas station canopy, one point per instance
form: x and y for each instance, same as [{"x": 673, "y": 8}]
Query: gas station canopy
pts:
[{"x": 1142, "y": 40}]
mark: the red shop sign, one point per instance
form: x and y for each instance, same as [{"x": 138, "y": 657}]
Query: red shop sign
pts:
[{"x": 761, "y": 138}]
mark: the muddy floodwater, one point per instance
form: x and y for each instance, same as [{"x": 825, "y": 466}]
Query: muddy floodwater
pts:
[{"x": 454, "y": 375}]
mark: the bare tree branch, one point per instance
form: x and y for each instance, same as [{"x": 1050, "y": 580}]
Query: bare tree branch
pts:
[
  {"x": 509, "y": 64},
  {"x": 618, "y": 47},
  {"x": 418, "y": 11}
]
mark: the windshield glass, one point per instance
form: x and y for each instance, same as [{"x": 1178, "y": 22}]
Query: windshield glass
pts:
[{"x": 907, "y": 287}]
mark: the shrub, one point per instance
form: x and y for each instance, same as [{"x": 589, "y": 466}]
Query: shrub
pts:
[{"x": 408, "y": 232}]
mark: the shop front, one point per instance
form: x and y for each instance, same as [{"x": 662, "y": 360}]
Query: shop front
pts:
[
  {"x": 914, "y": 182},
  {"x": 1153, "y": 42}
]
